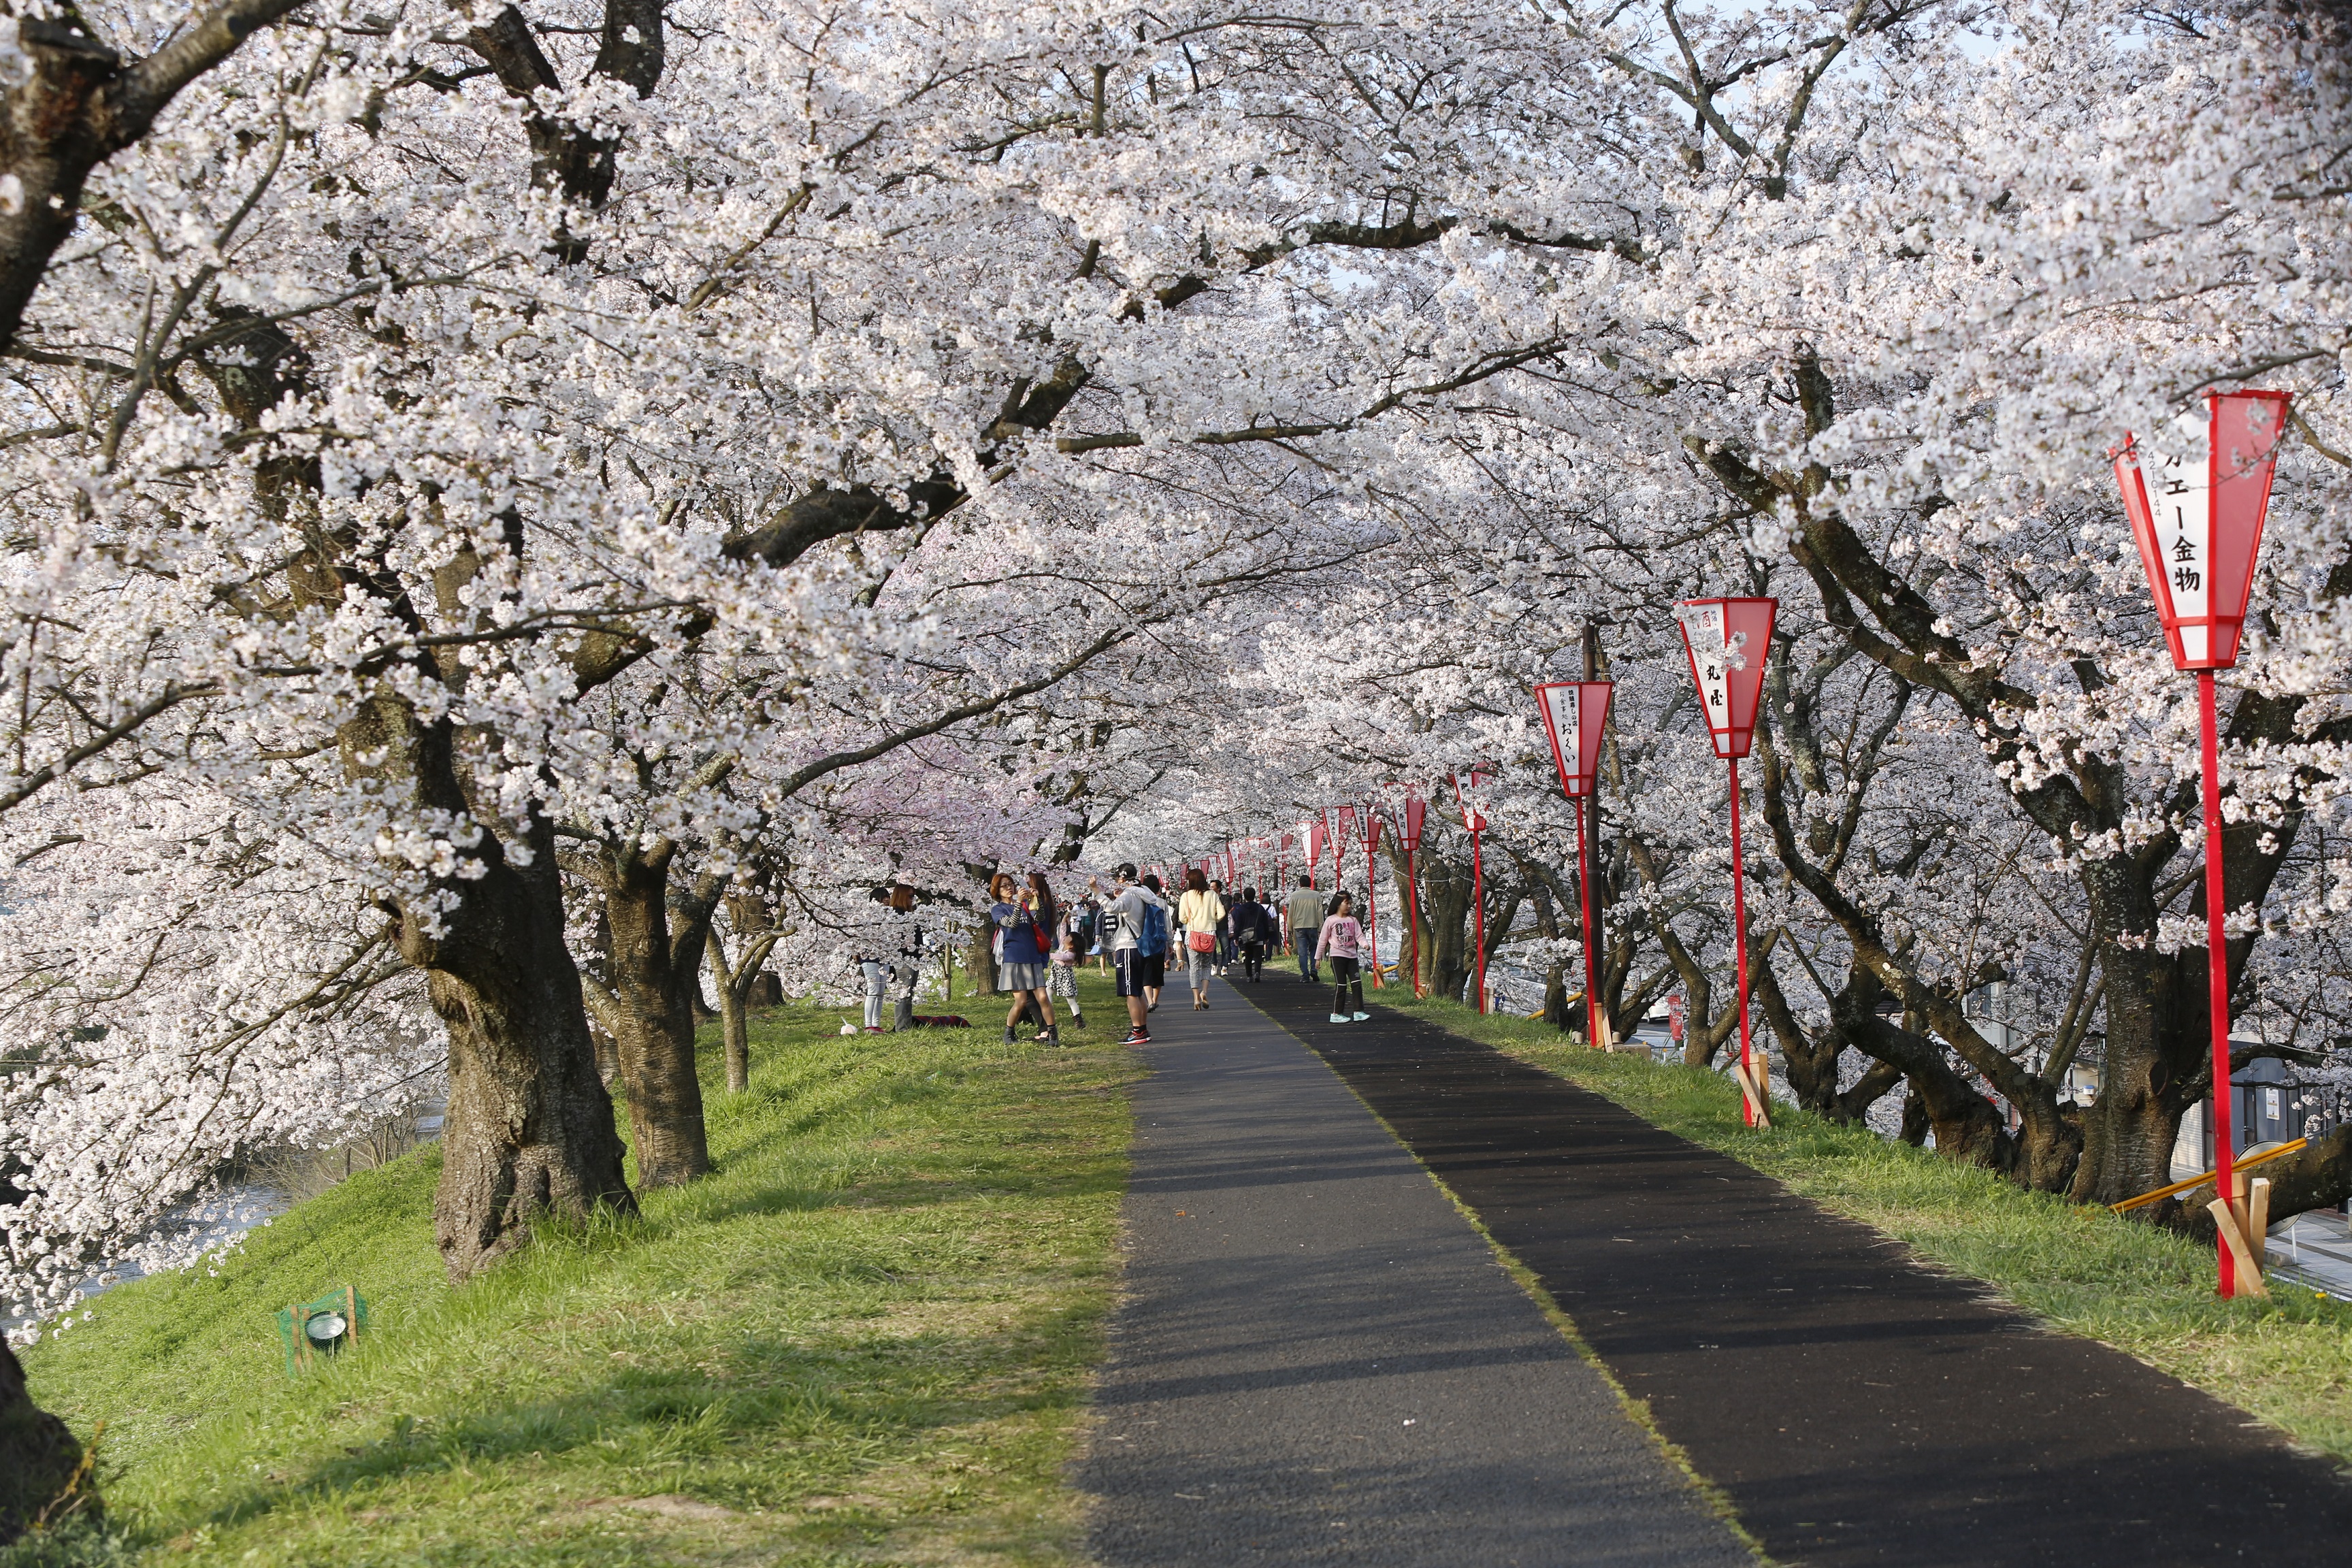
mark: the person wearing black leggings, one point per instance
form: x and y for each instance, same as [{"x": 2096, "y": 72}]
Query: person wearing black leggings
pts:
[{"x": 1340, "y": 941}]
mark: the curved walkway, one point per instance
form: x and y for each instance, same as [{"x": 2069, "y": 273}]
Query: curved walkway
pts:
[
  {"x": 1319, "y": 1360},
  {"x": 1856, "y": 1407}
]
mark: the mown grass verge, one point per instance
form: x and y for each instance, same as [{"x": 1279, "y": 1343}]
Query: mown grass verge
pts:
[
  {"x": 867, "y": 1338},
  {"x": 2146, "y": 1291}
]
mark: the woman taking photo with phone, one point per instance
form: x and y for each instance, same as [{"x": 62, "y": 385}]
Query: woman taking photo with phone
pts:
[
  {"x": 1023, "y": 918},
  {"x": 1200, "y": 912}
]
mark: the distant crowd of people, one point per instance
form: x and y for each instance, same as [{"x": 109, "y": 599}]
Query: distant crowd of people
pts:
[{"x": 1131, "y": 929}]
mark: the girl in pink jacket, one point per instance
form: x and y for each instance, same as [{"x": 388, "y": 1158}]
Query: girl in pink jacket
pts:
[{"x": 1341, "y": 944}]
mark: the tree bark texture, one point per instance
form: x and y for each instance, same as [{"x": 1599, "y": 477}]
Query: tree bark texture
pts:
[
  {"x": 529, "y": 1127},
  {"x": 646, "y": 1002},
  {"x": 739, "y": 984},
  {"x": 39, "y": 1459}
]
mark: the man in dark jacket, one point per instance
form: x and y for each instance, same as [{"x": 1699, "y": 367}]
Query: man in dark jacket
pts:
[{"x": 1251, "y": 923}]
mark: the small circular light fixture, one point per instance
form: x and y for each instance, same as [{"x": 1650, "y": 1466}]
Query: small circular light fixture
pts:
[{"x": 324, "y": 1329}]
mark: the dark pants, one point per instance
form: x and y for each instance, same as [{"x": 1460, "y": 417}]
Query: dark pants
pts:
[
  {"x": 1347, "y": 985},
  {"x": 1305, "y": 945},
  {"x": 1252, "y": 961}
]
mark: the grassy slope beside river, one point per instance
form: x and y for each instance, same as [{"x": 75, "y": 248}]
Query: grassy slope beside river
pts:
[
  {"x": 2146, "y": 1291},
  {"x": 867, "y": 1338}
]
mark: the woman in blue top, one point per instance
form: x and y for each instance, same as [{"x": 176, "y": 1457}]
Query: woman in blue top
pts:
[{"x": 1023, "y": 918}]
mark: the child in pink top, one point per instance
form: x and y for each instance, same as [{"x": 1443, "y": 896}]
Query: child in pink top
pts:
[{"x": 1340, "y": 943}]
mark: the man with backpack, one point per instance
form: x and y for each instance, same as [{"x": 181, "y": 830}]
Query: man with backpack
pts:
[
  {"x": 1130, "y": 917},
  {"x": 1249, "y": 919}
]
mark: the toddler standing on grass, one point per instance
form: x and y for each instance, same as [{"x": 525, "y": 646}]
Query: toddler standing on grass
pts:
[{"x": 1062, "y": 978}]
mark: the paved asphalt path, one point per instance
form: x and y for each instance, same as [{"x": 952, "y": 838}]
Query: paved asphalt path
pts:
[
  {"x": 1318, "y": 1361},
  {"x": 1857, "y": 1408}
]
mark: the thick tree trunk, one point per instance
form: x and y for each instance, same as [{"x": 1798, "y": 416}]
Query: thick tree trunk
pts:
[
  {"x": 648, "y": 1006},
  {"x": 739, "y": 984},
  {"x": 529, "y": 1127},
  {"x": 1446, "y": 889},
  {"x": 1811, "y": 1060},
  {"x": 735, "y": 1036},
  {"x": 40, "y": 1461}
]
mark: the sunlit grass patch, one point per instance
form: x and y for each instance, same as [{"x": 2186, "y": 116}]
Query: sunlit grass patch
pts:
[{"x": 866, "y": 1337}]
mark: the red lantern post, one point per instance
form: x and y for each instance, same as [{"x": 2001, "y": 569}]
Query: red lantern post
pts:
[
  {"x": 1475, "y": 821},
  {"x": 1574, "y": 713},
  {"x": 1409, "y": 834},
  {"x": 1371, "y": 877},
  {"x": 1727, "y": 641},
  {"x": 2198, "y": 518}
]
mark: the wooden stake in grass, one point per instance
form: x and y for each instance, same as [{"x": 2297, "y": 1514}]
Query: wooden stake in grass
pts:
[
  {"x": 2230, "y": 1220},
  {"x": 1751, "y": 1090}
]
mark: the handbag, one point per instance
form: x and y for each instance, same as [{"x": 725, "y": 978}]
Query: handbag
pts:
[{"x": 1201, "y": 941}]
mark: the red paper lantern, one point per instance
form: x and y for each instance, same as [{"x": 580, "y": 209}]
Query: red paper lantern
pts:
[
  {"x": 1472, "y": 817},
  {"x": 1347, "y": 828},
  {"x": 1728, "y": 640},
  {"x": 1573, "y": 714},
  {"x": 2198, "y": 518},
  {"x": 1409, "y": 831}
]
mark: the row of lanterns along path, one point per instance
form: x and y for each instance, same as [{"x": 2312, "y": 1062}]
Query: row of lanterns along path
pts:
[{"x": 2197, "y": 503}]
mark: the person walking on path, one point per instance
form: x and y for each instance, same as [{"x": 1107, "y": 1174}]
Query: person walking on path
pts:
[
  {"x": 1341, "y": 941},
  {"x": 1062, "y": 983},
  {"x": 1248, "y": 920},
  {"x": 1152, "y": 944},
  {"x": 1202, "y": 912},
  {"x": 1021, "y": 944},
  {"x": 1123, "y": 915},
  {"x": 1304, "y": 910}
]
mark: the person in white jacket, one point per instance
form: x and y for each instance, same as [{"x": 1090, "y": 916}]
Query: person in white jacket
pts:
[{"x": 1123, "y": 926}]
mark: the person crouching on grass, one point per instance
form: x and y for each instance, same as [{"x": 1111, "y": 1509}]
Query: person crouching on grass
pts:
[
  {"x": 1339, "y": 942},
  {"x": 1021, "y": 928}
]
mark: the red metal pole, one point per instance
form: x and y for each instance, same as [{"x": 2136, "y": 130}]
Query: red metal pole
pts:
[
  {"x": 2217, "y": 973},
  {"x": 1739, "y": 943},
  {"x": 1478, "y": 902},
  {"x": 1371, "y": 938},
  {"x": 1584, "y": 889}
]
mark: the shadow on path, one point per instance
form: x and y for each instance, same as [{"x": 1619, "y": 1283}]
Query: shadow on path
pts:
[
  {"x": 1316, "y": 1360},
  {"x": 1857, "y": 1408}
]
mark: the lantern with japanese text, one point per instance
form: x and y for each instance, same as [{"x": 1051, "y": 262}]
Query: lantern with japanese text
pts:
[
  {"x": 1727, "y": 641},
  {"x": 1574, "y": 715},
  {"x": 2197, "y": 497}
]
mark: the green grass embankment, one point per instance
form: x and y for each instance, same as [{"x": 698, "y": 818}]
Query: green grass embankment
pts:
[
  {"x": 867, "y": 1338},
  {"x": 2146, "y": 1291}
]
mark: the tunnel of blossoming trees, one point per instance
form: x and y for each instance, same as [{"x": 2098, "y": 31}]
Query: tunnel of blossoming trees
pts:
[{"x": 540, "y": 533}]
